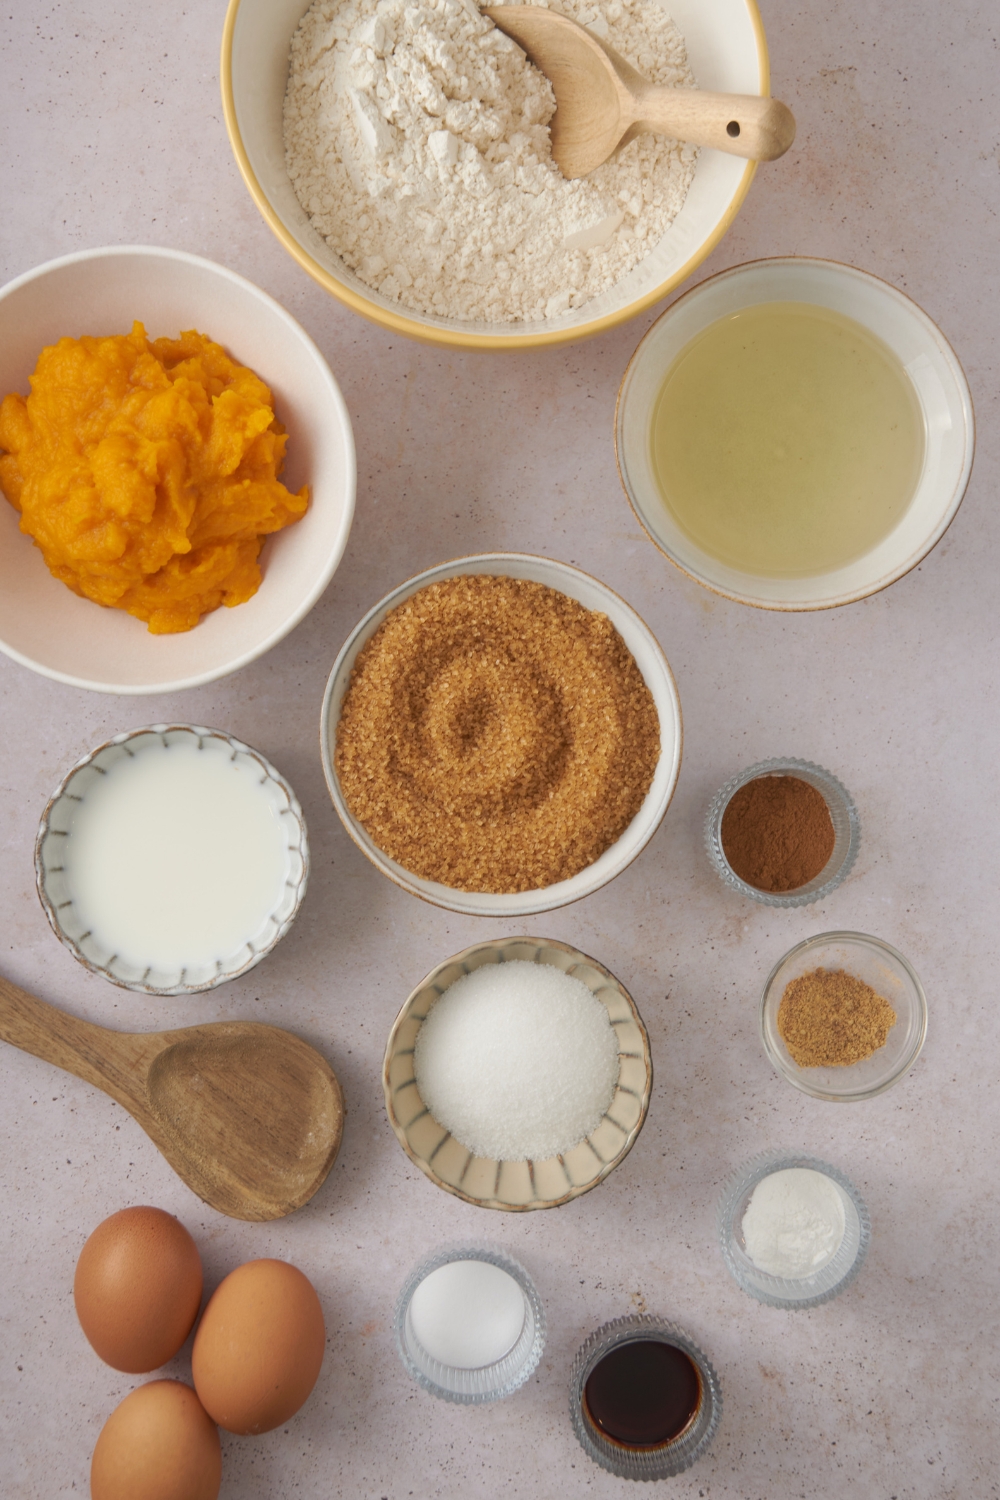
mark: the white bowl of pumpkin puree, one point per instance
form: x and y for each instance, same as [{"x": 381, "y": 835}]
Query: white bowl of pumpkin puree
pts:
[{"x": 177, "y": 471}]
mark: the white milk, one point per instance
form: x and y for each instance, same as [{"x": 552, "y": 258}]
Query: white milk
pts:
[
  {"x": 467, "y": 1314},
  {"x": 177, "y": 856}
]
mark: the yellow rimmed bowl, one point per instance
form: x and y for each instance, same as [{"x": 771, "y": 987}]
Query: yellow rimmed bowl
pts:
[
  {"x": 648, "y": 657},
  {"x": 518, "y": 1185},
  {"x": 727, "y": 51}
]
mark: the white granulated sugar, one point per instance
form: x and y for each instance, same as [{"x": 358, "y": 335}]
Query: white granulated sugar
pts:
[
  {"x": 794, "y": 1222},
  {"x": 518, "y": 1060},
  {"x": 416, "y": 138}
]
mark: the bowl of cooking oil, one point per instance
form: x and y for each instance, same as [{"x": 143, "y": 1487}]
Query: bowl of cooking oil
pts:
[{"x": 795, "y": 434}]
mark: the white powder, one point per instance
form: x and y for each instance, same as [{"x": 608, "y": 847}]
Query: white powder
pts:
[
  {"x": 794, "y": 1222},
  {"x": 467, "y": 1314},
  {"x": 518, "y": 1060},
  {"x": 416, "y": 138}
]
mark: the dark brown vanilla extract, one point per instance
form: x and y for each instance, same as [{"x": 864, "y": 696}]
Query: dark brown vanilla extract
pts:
[{"x": 643, "y": 1394}]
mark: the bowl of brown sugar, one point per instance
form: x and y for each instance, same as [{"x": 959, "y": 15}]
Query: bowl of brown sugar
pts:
[
  {"x": 843, "y": 1016},
  {"x": 501, "y": 735},
  {"x": 784, "y": 833}
]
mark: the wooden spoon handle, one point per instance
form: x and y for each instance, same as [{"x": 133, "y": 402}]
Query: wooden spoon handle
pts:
[
  {"x": 742, "y": 124},
  {"x": 115, "y": 1062}
]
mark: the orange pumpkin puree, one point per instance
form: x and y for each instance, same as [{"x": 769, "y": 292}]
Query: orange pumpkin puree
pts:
[{"x": 147, "y": 473}]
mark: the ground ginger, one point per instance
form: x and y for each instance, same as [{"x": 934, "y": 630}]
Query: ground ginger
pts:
[
  {"x": 146, "y": 473},
  {"x": 831, "y": 1019}
]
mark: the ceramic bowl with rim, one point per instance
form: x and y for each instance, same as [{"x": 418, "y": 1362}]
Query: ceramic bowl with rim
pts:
[
  {"x": 843, "y": 815},
  {"x": 519, "y": 1185},
  {"x": 490, "y": 1382},
  {"x": 925, "y": 354},
  {"x": 46, "y": 627},
  {"x": 658, "y": 677},
  {"x": 783, "y": 1291},
  {"x": 56, "y": 894},
  {"x": 665, "y": 1459},
  {"x": 877, "y": 964},
  {"x": 727, "y": 51}
]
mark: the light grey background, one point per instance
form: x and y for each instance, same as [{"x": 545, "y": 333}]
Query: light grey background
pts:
[{"x": 112, "y": 133}]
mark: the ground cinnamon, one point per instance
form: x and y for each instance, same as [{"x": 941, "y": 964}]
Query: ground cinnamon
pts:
[
  {"x": 777, "y": 833},
  {"x": 830, "y": 1019}
]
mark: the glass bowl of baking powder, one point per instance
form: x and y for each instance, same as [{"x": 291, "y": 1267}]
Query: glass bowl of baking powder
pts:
[{"x": 831, "y": 1277}]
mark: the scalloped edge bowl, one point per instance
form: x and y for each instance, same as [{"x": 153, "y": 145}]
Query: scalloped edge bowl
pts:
[{"x": 524, "y": 1185}]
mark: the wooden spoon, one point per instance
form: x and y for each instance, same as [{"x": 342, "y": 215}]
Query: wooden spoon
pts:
[
  {"x": 602, "y": 103},
  {"x": 248, "y": 1115}
]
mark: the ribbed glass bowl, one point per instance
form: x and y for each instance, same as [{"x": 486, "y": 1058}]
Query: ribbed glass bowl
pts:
[
  {"x": 843, "y": 815},
  {"x": 782, "y": 1291},
  {"x": 887, "y": 971},
  {"x": 665, "y": 1459},
  {"x": 488, "y": 1382}
]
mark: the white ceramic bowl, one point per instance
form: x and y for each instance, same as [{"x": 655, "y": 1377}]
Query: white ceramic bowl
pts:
[
  {"x": 55, "y": 890},
  {"x": 45, "y": 626},
  {"x": 658, "y": 678},
  {"x": 929, "y": 361},
  {"x": 727, "y": 52}
]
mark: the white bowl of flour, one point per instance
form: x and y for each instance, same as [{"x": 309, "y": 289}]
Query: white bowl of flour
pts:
[{"x": 399, "y": 153}]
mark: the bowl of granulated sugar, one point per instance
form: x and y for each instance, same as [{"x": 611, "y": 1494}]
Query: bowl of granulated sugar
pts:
[
  {"x": 518, "y": 1074},
  {"x": 401, "y": 155}
]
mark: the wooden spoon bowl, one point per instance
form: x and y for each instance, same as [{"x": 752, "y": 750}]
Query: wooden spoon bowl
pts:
[
  {"x": 602, "y": 103},
  {"x": 250, "y": 1116}
]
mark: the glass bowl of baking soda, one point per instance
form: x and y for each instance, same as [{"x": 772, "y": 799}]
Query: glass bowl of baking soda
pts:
[{"x": 794, "y": 1231}]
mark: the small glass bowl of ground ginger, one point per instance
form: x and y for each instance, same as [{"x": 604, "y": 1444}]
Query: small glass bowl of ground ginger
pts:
[
  {"x": 784, "y": 833},
  {"x": 843, "y": 1016}
]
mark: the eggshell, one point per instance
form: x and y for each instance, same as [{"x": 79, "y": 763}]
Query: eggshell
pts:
[
  {"x": 259, "y": 1347},
  {"x": 158, "y": 1444},
  {"x": 138, "y": 1288}
]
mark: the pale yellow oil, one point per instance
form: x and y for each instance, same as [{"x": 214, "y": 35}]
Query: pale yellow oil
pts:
[{"x": 787, "y": 440}]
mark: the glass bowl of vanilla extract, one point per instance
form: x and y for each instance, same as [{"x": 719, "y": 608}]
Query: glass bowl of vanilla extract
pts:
[{"x": 645, "y": 1400}]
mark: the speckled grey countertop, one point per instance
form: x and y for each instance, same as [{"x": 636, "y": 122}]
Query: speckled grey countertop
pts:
[{"x": 112, "y": 133}]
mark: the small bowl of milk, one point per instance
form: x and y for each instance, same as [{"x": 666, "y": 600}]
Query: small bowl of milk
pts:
[{"x": 171, "y": 859}]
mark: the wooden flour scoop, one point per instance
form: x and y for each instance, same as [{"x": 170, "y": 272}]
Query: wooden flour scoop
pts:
[
  {"x": 602, "y": 103},
  {"x": 248, "y": 1115}
]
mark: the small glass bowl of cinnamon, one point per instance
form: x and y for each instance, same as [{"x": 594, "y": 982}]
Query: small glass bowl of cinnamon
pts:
[
  {"x": 855, "y": 1014},
  {"x": 784, "y": 833}
]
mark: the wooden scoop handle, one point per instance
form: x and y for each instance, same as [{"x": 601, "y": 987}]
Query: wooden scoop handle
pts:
[
  {"x": 740, "y": 124},
  {"x": 115, "y": 1062}
]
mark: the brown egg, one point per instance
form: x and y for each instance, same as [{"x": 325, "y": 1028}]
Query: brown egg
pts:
[
  {"x": 259, "y": 1347},
  {"x": 158, "y": 1444},
  {"x": 138, "y": 1288}
]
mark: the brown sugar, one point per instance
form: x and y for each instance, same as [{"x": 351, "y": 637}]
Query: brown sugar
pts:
[
  {"x": 777, "y": 833},
  {"x": 496, "y": 735},
  {"x": 829, "y": 1019}
]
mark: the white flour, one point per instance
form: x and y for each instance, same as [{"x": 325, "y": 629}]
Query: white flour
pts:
[{"x": 416, "y": 138}]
